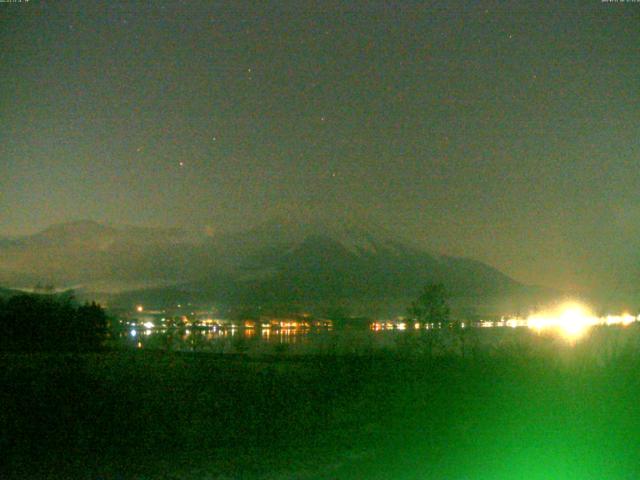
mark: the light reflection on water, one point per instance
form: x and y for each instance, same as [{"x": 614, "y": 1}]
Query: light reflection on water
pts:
[
  {"x": 241, "y": 339},
  {"x": 344, "y": 340}
]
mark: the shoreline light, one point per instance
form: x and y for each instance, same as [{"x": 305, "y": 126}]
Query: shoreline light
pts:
[{"x": 571, "y": 319}]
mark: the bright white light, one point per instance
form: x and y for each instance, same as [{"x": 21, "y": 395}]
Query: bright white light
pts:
[
  {"x": 575, "y": 320},
  {"x": 149, "y": 325},
  {"x": 624, "y": 319},
  {"x": 571, "y": 319},
  {"x": 514, "y": 322}
]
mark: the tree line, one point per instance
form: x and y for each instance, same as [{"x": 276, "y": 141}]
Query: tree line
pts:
[
  {"x": 50, "y": 323},
  {"x": 431, "y": 310},
  {"x": 47, "y": 322}
]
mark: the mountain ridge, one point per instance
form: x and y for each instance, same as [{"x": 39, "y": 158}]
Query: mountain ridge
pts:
[{"x": 291, "y": 261}]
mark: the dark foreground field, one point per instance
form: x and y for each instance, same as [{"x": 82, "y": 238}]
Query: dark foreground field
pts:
[{"x": 508, "y": 414}]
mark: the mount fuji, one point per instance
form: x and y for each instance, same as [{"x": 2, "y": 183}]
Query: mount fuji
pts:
[{"x": 284, "y": 261}]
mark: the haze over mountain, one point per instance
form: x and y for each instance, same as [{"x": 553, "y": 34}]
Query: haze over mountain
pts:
[
  {"x": 505, "y": 131},
  {"x": 292, "y": 260}
]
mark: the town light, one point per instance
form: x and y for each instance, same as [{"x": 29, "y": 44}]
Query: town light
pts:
[{"x": 571, "y": 319}]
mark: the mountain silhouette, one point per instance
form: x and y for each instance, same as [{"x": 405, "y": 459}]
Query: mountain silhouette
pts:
[{"x": 290, "y": 260}]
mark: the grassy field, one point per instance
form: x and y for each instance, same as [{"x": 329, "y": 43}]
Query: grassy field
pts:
[{"x": 513, "y": 413}]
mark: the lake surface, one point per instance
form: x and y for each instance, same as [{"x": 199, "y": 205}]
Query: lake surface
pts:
[{"x": 361, "y": 340}]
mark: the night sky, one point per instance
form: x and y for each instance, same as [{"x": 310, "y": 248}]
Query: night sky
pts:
[{"x": 504, "y": 131}]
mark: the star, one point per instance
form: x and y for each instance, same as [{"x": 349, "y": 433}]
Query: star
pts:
[{"x": 181, "y": 164}]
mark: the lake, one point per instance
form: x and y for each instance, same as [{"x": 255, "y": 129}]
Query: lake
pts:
[{"x": 366, "y": 339}]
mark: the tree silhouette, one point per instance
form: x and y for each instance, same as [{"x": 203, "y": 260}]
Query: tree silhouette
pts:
[
  {"x": 431, "y": 307},
  {"x": 90, "y": 324},
  {"x": 431, "y": 311},
  {"x": 51, "y": 323}
]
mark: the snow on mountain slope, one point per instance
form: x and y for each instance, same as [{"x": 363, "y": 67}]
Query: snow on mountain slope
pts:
[{"x": 290, "y": 258}]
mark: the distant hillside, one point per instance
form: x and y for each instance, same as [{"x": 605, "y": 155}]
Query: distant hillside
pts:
[
  {"x": 283, "y": 261},
  {"x": 6, "y": 292},
  {"x": 81, "y": 254}
]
